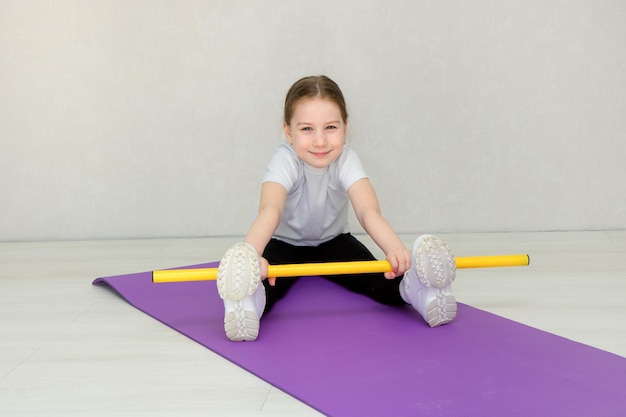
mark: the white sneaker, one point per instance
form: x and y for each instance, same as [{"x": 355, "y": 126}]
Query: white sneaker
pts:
[
  {"x": 238, "y": 279},
  {"x": 426, "y": 285}
]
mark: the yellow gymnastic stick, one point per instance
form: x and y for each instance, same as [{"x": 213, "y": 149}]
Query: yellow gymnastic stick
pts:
[{"x": 334, "y": 268}]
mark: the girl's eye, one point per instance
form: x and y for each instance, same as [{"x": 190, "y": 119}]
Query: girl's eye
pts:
[
  {"x": 331, "y": 127},
  {"x": 307, "y": 129}
]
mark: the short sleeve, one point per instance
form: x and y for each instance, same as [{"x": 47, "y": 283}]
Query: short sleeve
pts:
[
  {"x": 350, "y": 168},
  {"x": 283, "y": 167}
]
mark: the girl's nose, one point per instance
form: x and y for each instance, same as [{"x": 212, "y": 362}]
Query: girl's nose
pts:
[{"x": 320, "y": 138}]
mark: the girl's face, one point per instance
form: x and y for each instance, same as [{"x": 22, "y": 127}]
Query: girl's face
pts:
[{"x": 317, "y": 131}]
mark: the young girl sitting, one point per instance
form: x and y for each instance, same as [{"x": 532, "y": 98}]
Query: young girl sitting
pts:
[{"x": 303, "y": 218}]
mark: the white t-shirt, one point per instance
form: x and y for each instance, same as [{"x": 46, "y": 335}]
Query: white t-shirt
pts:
[{"x": 316, "y": 209}]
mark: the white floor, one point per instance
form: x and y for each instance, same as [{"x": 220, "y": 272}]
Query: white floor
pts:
[{"x": 69, "y": 348}]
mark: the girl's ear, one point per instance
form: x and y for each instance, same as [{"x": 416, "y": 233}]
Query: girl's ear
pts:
[{"x": 287, "y": 131}]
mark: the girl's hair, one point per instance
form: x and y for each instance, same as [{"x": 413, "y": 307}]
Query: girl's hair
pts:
[{"x": 312, "y": 87}]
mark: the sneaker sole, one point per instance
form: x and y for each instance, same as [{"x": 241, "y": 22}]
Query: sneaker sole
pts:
[
  {"x": 436, "y": 269},
  {"x": 436, "y": 266},
  {"x": 240, "y": 323},
  {"x": 239, "y": 273},
  {"x": 238, "y": 277},
  {"x": 441, "y": 310}
]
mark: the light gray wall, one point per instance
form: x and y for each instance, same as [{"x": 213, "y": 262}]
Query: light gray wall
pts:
[{"x": 157, "y": 118}]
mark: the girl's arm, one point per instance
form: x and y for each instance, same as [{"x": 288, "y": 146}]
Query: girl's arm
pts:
[
  {"x": 363, "y": 199},
  {"x": 273, "y": 196}
]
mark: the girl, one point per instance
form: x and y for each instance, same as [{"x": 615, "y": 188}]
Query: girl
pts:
[{"x": 303, "y": 218}]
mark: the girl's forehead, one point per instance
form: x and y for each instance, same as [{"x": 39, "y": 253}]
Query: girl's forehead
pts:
[{"x": 316, "y": 106}]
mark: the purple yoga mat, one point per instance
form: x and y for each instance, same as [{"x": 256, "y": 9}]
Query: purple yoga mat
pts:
[{"x": 345, "y": 355}]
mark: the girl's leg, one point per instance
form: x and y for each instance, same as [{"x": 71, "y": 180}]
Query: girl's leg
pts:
[
  {"x": 278, "y": 252},
  {"x": 346, "y": 247}
]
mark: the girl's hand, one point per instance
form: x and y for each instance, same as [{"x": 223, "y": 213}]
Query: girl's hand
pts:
[
  {"x": 400, "y": 260},
  {"x": 264, "y": 267}
]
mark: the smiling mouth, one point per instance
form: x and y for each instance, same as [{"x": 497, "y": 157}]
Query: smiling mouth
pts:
[{"x": 320, "y": 154}]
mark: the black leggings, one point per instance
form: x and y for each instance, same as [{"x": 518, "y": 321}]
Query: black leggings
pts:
[{"x": 344, "y": 247}]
